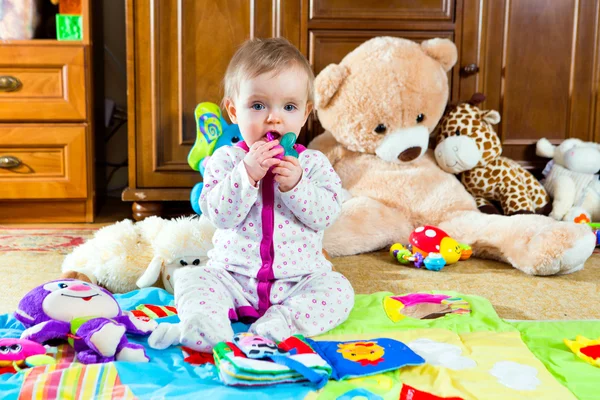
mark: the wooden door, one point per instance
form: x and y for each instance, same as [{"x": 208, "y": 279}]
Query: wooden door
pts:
[
  {"x": 178, "y": 51},
  {"x": 538, "y": 66}
]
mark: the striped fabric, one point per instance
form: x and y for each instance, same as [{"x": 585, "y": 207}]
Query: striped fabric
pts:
[
  {"x": 150, "y": 311},
  {"x": 69, "y": 380}
]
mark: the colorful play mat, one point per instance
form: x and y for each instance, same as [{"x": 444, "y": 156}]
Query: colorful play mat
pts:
[{"x": 468, "y": 352}]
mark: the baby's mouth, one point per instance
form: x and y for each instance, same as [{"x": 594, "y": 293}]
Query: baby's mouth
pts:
[{"x": 272, "y": 135}]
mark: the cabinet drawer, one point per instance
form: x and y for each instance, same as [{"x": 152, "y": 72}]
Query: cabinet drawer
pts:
[
  {"x": 51, "y": 162},
  {"x": 42, "y": 83},
  {"x": 424, "y": 10}
]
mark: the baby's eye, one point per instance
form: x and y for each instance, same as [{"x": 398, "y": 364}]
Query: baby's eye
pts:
[
  {"x": 289, "y": 107},
  {"x": 258, "y": 107}
]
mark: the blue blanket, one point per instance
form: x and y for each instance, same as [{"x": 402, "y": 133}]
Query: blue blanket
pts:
[{"x": 166, "y": 375}]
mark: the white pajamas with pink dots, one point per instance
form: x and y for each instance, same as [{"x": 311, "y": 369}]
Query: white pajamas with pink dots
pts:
[{"x": 267, "y": 261}]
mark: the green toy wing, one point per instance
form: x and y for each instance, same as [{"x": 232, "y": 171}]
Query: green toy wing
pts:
[{"x": 208, "y": 130}]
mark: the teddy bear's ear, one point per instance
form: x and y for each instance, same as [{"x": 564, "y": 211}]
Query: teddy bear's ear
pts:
[
  {"x": 544, "y": 148},
  {"x": 328, "y": 82},
  {"x": 490, "y": 116},
  {"x": 149, "y": 277},
  {"x": 442, "y": 50}
]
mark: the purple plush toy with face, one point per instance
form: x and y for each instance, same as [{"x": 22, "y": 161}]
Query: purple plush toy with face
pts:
[{"x": 86, "y": 315}]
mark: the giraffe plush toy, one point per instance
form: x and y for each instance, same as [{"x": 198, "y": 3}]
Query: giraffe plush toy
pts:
[{"x": 468, "y": 145}]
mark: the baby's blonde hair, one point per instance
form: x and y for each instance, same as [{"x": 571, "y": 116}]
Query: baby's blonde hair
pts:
[{"x": 258, "y": 56}]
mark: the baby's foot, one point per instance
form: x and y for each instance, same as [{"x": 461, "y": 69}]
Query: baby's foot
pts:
[
  {"x": 199, "y": 333},
  {"x": 271, "y": 327}
]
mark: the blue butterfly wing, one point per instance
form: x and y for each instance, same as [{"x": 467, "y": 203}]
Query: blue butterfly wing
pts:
[{"x": 288, "y": 141}]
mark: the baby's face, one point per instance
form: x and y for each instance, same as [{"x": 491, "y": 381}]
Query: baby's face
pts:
[{"x": 271, "y": 102}]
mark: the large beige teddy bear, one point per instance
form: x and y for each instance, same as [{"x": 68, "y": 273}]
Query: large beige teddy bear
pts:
[{"x": 379, "y": 106}]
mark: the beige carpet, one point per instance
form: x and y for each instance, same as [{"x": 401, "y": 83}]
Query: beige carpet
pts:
[{"x": 31, "y": 257}]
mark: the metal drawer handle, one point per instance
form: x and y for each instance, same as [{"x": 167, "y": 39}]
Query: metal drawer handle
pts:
[
  {"x": 9, "y": 162},
  {"x": 9, "y": 83}
]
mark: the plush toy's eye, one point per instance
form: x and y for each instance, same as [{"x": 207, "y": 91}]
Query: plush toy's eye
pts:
[
  {"x": 381, "y": 128},
  {"x": 457, "y": 133},
  {"x": 235, "y": 139},
  {"x": 196, "y": 262},
  {"x": 62, "y": 285},
  {"x": 3, "y": 349},
  {"x": 420, "y": 118},
  {"x": 183, "y": 263},
  {"x": 15, "y": 348}
]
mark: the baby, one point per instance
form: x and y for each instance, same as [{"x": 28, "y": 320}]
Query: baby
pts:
[{"x": 270, "y": 211}]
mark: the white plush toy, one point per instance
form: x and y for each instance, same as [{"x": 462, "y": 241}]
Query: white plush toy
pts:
[
  {"x": 572, "y": 178},
  {"x": 126, "y": 255}
]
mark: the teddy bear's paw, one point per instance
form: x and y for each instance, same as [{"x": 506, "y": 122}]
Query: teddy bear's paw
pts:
[
  {"x": 107, "y": 338},
  {"x": 560, "y": 248},
  {"x": 574, "y": 258}
]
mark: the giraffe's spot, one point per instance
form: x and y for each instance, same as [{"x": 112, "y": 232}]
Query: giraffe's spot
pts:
[
  {"x": 496, "y": 172},
  {"x": 521, "y": 187},
  {"x": 539, "y": 201},
  {"x": 464, "y": 131},
  {"x": 480, "y": 183},
  {"x": 476, "y": 122},
  {"x": 486, "y": 175},
  {"x": 465, "y": 121},
  {"x": 487, "y": 146}
]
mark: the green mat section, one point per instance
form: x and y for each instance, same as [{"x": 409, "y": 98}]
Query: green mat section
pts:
[
  {"x": 545, "y": 340},
  {"x": 482, "y": 336}
]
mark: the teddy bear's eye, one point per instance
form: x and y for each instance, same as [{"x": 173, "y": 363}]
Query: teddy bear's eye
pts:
[
  {"x": 381, "y": 128},
  {"x": 183, "y": 263},
  {"x": 457, "y": 133},
  {"x": 420, "y": 118}
]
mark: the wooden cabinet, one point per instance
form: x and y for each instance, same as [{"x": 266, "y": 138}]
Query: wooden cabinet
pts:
[
  {"x": 536, "y": 60},
  {"x": 46, "y": 130},
  {"x": 539, "y": 67}
]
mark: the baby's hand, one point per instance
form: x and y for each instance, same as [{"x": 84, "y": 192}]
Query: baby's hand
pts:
[
  {"x": 288, "y": 173},
  {"x": 260, "y": 158}
]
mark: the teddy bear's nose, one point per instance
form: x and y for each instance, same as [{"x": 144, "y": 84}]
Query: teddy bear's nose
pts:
[{"x": 409, "y": 154}]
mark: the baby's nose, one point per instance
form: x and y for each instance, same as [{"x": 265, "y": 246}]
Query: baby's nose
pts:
[{"x": 273, "y": 118}]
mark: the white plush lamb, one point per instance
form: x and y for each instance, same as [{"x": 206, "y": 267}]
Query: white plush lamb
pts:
[
  {"x": 572, "y": 178},
  {"x": 126, "y": 255}
]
